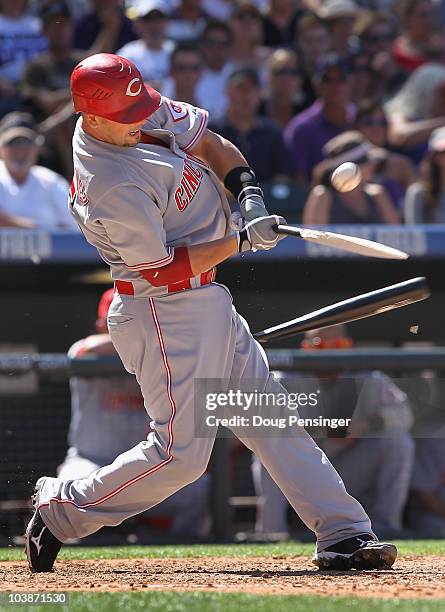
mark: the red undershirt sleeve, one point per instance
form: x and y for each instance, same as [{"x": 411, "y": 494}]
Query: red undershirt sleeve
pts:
[{"x": 177, "y": 270}]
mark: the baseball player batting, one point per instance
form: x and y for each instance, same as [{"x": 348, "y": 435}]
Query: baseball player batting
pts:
[{"x": 148, "y": 192}]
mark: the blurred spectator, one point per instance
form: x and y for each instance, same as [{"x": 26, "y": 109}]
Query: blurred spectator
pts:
[
  {"x": 187, "y": 21},
  {"x": 20, "y": 40},
  {"x": 425, "y": 200},
  {"x": 417, "y": 43},
  {"x": 340, "y": 17},
  {"x": 45, "y": 85},
  {"x": 426, "y": 516},
  {"x": 416, "y": 110},
  {"x": 30, "y": 196},
  {"x": 151, "y": 52},
  {"x": 372, "y": 122},
  {"x": 258, "y": 138},
  {"x": 331, "y": 114},
  {"x": 280, "y": 22},
  {"x": 216, "y": 44},
  {"x": 374, "y": 456},
  {"x": 104, "y": 29},
  {"x": 285, "y": 97},
  {"x": 222, "y": 9},
  {"x": 218, "y": 9},
  {"x": 364, "y": 78},
  {"x": 376, "y": 33},
  {"x": 394, "y": 171},
  {"x": 367, "y": 203},
  {"x": 107, "y": 418},
  {"x": 312, "y": 41},
  {"x": 186, "y": 67},
  {"x": 246, "y": 25}
]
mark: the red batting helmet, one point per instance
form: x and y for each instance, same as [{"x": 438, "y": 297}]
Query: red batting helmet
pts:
[{"x": 112, "y": 87}]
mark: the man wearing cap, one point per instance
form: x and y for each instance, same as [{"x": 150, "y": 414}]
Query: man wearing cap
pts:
[
  {"x": 31, "y": 196},
  {"x": 151, "y": 52},
  {"x": 340, "y": 17},
  {"x": 331, "y": 114},
  {"x": 148, "y": 192}
]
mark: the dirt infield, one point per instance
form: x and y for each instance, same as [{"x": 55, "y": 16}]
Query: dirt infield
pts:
[{"x": 412, "y": 577}]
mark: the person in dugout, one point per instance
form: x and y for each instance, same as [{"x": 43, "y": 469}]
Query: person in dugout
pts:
[{"x": 374, "y": 455}]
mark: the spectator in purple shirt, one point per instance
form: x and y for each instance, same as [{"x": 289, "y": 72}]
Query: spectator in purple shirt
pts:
[{"x": 331, "y": 114}]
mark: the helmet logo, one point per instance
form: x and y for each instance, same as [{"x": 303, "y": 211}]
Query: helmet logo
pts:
[{"x": 131, "y": 93}]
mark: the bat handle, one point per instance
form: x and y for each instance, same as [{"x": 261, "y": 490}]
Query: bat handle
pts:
[
  {"x": 287, "y": 230},
  {"x": 279, "y": 229}
]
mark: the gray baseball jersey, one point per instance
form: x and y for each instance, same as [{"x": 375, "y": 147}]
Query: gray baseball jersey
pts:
[{"x": 136, "y": 204}]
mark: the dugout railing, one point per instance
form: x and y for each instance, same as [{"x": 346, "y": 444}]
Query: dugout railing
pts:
[{"x": 35, "y": 414}]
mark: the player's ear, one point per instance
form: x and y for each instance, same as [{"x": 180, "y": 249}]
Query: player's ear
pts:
[{"x": 91, "y": 120}]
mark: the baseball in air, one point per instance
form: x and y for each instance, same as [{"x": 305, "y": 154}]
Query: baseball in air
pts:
[{"x": 346, "y": 177}]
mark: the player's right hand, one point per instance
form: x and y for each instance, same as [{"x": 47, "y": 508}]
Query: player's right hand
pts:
[{"x": 260, "y": 234}]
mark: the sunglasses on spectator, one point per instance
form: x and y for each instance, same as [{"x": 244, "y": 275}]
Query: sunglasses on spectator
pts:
[
  {"x": 318, "y": 343},
  {"x": 188, "y": 67},
  {"x": 374, "y": 121},
  {"x": 285, "y": 72}
]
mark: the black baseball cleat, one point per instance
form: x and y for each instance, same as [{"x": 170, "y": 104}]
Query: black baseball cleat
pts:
[
  {"x": 362, "y": 552},
  {"x": 41, "y": 546}
]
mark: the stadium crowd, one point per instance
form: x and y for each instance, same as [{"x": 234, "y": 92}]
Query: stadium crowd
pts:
[{"x": 299, "y": 86}]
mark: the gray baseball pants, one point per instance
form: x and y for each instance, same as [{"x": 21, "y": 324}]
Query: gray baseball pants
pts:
[
  {"x": 375, "y": 470},
  {"x": 167, "y": 342}
]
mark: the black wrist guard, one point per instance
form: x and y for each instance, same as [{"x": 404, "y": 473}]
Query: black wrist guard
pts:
[{"x": 242, "y": 183}]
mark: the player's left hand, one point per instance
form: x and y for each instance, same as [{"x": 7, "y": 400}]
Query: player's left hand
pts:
[{"x": 261, "y": 234}]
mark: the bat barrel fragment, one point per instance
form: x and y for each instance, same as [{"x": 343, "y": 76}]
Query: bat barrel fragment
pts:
[
  {"x": 350, "y": 244},
  {"x": 352, "y": 309}
]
